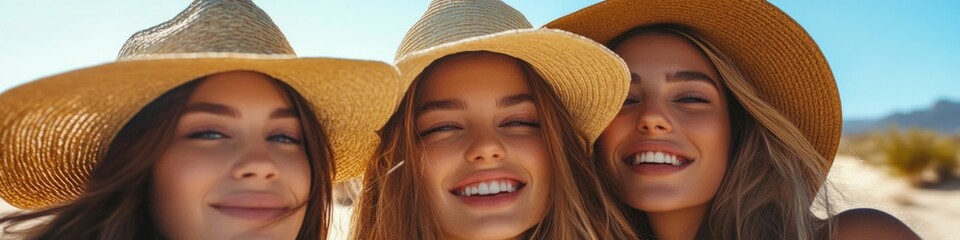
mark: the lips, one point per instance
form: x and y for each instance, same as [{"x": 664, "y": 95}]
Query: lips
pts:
[
  {"x": 490, "y": 188},
  {"x": 656, "y": 158},
  {"x": 252, "y": 206}
]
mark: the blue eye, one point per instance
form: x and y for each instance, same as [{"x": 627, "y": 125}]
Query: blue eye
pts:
[
  {"x": 282, "y": 138},
  {"x": 441, "y": 128},
  {"x": 629, "y": 101},
  {"x": 207, "y": 135}
]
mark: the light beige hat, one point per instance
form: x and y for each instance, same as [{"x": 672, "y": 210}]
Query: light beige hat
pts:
[
  {"x": 54, "y": 130},
  {"x": 775, "y": 53},
  {"x": 591, "y": 81}
]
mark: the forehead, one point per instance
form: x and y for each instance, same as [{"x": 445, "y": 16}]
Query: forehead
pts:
[
  {"x": 473, "y": 74},
  {"x": 239, "y": 88},
  {"x": 662, "y": 52}
]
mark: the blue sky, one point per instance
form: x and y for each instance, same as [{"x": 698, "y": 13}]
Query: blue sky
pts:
[{"x": 887, "y": 56}]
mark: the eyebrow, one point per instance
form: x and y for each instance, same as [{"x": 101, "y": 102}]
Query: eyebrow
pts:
[
  {"x": 284, "y": 113},
  {"x": 448, "y": 105},
  {"x": 681, "y": 76},
  {"x": 514, "y": 100},
  {"x": 224, "y": 110},
  {"x": 213, "y": 108}
]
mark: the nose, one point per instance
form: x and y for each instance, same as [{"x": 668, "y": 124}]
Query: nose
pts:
[
  {"x": 653, "y": 119},
  {"x": 486, "y": 146},
  {"x": 256, "y": 164}
]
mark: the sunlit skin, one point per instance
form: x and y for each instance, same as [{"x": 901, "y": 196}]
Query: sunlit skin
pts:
[
  {"x": 236, "y": 168},
  {"x": 478, "y": 123},
  {"x": 675, "y": 105}
]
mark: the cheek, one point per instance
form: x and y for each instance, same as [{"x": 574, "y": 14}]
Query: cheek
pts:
[
  {"x": 181, "y": 181},
  {"x": 711, "y": 135},
  {"x": 295, "y": 172},
  {"x": 439, "y": 162},
  {"x": 531, "y": 153},
  {"x": 614, "y": 135},
  {"x": 186, "y": 173}
]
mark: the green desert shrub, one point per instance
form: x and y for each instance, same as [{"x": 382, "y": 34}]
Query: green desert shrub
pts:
[{"x": 922, "y": 156}]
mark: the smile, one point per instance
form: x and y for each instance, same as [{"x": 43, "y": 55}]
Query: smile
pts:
[
  {"x": 256, "y": 214},
  {"x": 252, "y": 206},
  {"x": 657, "y": 158},
  {"x": 488, "y": 188},
  {"x": 656, "y": 163}
]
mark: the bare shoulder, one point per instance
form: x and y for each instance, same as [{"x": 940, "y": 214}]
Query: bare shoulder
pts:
[{"x": 868, "y": 223}]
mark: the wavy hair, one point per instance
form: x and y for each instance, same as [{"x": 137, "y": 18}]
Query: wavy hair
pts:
[
  {"x": 115, "y": 204},
  {"x": 774, "y": 174},
  {"x": 394, "y": 203}
]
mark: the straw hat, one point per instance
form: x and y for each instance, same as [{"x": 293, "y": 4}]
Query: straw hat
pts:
[
  {"x": 54, "y": 130},
  {"x": 784, "y": 64},
  {"x": 590, "y": 80}
]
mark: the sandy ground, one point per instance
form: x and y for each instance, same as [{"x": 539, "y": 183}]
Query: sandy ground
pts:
[{"x": 934, "y": 213}]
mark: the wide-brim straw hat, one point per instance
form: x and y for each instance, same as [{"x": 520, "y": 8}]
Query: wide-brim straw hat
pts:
[
  {"x": 784, "y": 64},
  {"x": 55, "y": 129},
  {"x": 590, "y": 80}
]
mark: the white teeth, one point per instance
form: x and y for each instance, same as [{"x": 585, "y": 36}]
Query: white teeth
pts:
[
  {"x": 484, "y": 189},
  {"x": 495, "y": 187},
  {"x": 488, "y": 188},
  {"x": 656, "y": 157}
]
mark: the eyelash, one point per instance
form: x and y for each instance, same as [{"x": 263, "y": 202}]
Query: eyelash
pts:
[
  {"x": 521, "y": 122},
  {"x": 450, "y": 127},
  {"x": 214, "y": 135},
  {"x": 207, "y": 135},
  {"x": 692, "y": 99},
  {"x": 444, "y": 127},
  {"x": 284, "y": 138}
]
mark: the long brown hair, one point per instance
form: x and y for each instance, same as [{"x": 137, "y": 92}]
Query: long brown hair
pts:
[
  {"x": 115, "y": 204},
  {"x": 394, "y": 203},
  {"x": 773, "y": 175}
]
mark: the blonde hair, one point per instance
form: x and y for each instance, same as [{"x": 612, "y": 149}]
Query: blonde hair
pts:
[
  {"x": 394, "y": 203},
  {"x": 774, "y": 173}
]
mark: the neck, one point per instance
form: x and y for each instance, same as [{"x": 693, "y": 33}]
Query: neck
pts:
[{"x": 680, "y": 224}]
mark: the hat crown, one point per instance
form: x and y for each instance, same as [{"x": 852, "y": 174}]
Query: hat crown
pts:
[
  {"x": 448, "y": 21},
  {"x": 210, "y": 26}
]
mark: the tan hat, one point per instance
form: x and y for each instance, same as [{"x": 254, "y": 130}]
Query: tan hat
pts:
[
  {"x": 590, "y": 80},
  {"x": 54, "y": 130},
  {"x": 774, "y": 52}
]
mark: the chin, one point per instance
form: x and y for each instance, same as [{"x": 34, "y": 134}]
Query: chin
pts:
[{"x": 490, "y": 232}]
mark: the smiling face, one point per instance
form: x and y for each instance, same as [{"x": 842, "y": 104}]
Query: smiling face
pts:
[
  {"x": 485, "y": 161},
  {"x": 668, "y": 147},
  {"x": 236, "y": 167}
]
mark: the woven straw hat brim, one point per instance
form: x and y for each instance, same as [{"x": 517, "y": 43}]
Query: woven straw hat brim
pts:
[
  {"x": 54, "y": 130},
  {"x": 783, "y": 62},
  {"x": 589, "y": 79}
]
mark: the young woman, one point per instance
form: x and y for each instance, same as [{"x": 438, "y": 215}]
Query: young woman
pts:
[
  {"x": 730, "y": 125},
  {"x": 196, "y": 132},
  {"x": 491, "y": 140}
]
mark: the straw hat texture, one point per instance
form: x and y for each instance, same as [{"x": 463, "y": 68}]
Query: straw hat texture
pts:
[
  {"x": 589, "y": 79},
  {"x": 55, "y": 129},
  {"x": 784, "y": 64}
]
